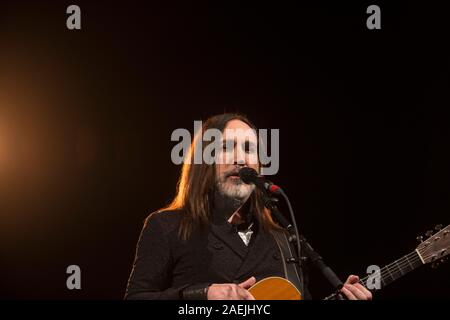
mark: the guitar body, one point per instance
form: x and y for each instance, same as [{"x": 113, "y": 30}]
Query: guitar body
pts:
[{"x": 275, "y": 288}]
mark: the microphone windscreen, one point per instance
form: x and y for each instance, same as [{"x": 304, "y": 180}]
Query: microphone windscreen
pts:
[{"x": 248, "y": 175}]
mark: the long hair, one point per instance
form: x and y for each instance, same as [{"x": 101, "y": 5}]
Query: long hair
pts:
[{"x": 197, "y": 183}]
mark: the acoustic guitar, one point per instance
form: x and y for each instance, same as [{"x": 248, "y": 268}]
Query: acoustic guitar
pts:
[{"x": 431, "y": 251}]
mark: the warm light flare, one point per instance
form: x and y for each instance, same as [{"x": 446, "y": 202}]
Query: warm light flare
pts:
[{"x": 5, "y": 150}]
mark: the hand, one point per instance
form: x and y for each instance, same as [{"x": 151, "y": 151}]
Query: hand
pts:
[
  {"x": 231, "y": 291},
  {"x": 353, "y": 290}
]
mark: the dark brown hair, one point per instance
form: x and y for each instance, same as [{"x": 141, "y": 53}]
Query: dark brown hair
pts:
[{"x": 196, "y": 185}]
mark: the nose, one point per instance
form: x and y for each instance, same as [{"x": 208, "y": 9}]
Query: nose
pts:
[
  {"x": 240, "y": 165},
  {"x": 239, "y": 157}
]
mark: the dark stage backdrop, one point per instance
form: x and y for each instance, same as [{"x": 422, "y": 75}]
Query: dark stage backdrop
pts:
[{"x": 86, "y": 118}]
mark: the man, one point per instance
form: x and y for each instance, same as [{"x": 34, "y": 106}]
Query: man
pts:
[{"x": 216, "y": 239}]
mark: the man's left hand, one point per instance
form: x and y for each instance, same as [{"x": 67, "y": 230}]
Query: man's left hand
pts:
[{"x": 353, "y": 290}]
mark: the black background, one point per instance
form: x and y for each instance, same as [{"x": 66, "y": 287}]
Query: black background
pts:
[{"x": 87, "y": 117}]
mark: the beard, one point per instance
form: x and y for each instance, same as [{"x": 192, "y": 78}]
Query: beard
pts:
[
  {"x": 234, "y": 188},
  {"x": 230, "y": 195}
]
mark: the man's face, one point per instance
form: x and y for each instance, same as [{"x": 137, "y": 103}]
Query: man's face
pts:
[{"x": 239, "y": 149}]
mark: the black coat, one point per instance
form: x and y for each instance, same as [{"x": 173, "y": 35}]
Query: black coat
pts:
[{"x": 164, "y": 264}]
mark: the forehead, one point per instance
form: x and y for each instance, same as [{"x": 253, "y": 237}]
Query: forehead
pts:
[{"x": 237, "y": 129}]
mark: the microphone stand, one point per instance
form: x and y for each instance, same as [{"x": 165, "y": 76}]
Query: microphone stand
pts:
[{"x": 303, "y": 246}]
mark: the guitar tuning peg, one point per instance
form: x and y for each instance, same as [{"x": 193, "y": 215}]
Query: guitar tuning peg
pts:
[
  {"x": 438, "y": 227},
  {"x": 429, "y": 233},
  {"x": 420, "y": 239},
  {"x": 435, "y": 265}
]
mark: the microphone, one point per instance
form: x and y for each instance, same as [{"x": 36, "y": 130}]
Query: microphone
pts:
[{"x": 250, "y": 176}]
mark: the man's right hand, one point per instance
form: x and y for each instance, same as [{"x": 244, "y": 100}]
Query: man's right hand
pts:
[{"x": 231, "y": 291}]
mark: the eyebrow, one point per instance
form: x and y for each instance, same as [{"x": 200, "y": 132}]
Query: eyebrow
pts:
[
  {"x": 224, "y": 141},
  {"x": 252, "y": 143}
]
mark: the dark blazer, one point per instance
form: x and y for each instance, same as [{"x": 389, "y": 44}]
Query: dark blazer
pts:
[{"x": 164, "y": 264}]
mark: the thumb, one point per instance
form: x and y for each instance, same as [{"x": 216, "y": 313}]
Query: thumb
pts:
[{"x": 247, "y": 283}]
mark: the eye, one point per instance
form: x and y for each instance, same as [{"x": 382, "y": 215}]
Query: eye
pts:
[
  {"x": 249, "y": 147},
  {"x": 227, "y": 145}
]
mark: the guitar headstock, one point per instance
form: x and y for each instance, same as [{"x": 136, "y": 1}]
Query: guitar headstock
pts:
[{"x": 435, "y": 248}]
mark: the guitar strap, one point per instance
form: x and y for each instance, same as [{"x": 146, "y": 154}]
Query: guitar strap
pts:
[{"x": 289, "y": 259}]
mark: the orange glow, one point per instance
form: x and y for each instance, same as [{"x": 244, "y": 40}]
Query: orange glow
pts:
[
  {"x": 35, "y": 145},
  {"x": 6, "y": 156}
]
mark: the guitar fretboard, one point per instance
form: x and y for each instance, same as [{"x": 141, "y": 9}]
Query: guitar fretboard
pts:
[{"x": 394, "y": 270}]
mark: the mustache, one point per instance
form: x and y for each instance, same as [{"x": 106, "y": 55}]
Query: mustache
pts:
[{"x": 233, "y": 172}]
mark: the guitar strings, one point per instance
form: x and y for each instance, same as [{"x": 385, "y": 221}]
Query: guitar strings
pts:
[
  {"x": 384, "y": 272},
  {"x": 410, "y": 259},
  {"x": 407, "y": 260},
  {"x": 422, "y": 254}
]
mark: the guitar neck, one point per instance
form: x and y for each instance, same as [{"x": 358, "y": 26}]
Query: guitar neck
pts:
[
  {"x": 389, "y": 273},
  {"x": 394, "y": 270},
  {"x": 435, "y": 249}
]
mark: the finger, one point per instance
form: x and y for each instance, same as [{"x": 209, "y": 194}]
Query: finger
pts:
[
  {"x": 356, "y": 292},
  {"x": 348, "y": 294},
  {"x": 352, "y": 279},
  {"x": 247, "y": 295},
  {"x": 248, "y": 283},
  {"x": 363, "y": 289},
  {"x": 238, "y": 293}
]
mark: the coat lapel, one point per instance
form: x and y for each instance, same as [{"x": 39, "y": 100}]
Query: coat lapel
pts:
[
  {"x": 258, "y": 250},
  {"x": 228, "y": 235}
]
